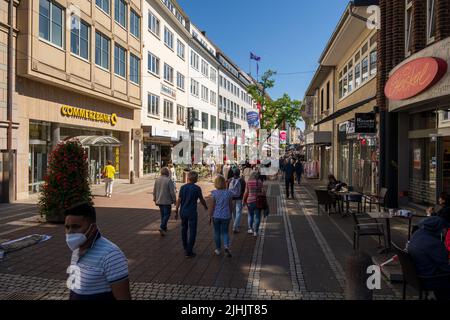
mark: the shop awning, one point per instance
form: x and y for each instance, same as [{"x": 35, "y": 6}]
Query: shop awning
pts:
[
  {"x": 345, "y": 110},
  {"x": 99, "y": 141}
]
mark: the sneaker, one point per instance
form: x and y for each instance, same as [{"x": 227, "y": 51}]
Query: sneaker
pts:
[
  {"x": 255, "y": 234},
  {"x": 228, "y": 252},
  {"x": 191, "y": 255},
  {"x": 161, "y": 232},
  {"x": 217, "y": 252},
  {"x": 235, "y": 231},
  {"x": 250, "y": 231}
]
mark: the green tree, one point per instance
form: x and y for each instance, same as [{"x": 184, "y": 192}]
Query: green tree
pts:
[{"x": 275, "y": 113}]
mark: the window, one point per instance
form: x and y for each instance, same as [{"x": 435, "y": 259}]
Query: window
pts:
[
  {"x": 205, "y": 93},
  {"x": 213, "y": 98},
  {"x": 221, "y": 81},
  {"x": 103, "y": 4},
  {"x": 194, "y": 60},
  {"x": 373, "y": 62},
  {"x": 408, "y": 27},
  {"x": 120, "y": 12},
  {"x": 205, "y": 68},
  {"x": 213, "y": 122},
  {"x": 194, "y": 87},
  {"x": 79, "y": 38},
  {"x": 321, "y": 101},
  {"x": 205, "y": 124},
  {"x": 51, "y": 22},
  {"x": 135, "y": 22},
  {"x": 431, "y": 20},
  {"x": 153, "y": 64},
  {"x": 101, "y": 50},
  {"x": 134, "y": 69},
  {"x": 350, "y": 79},
  {"x": 120, "y": 63},
  {"x": 180, "y": 81},
  {"x": 154, "y": 24},
  {"x": 357, "y": 75},
  {"x": 168, "y": 73},
  {"x": 168, "y": 110},
  {"x": 153, "y": 105},
  {"x": 196, "y": 115},
  {"x": 168, "y": 38},
  {"x": 181, "y": 118},
  {"x": 328, "y": 95},
  {"x": 220, "y": 103},
  {"x": 180, "y": 49},
  {"x": 365, "y": 69},
  {"x": 213, "y": 75}
]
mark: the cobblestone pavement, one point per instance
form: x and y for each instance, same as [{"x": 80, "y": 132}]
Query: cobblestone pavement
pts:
[{"x": 299, "y": 254}]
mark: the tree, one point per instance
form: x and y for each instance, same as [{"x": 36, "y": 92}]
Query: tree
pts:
[
  {"x": 275, "y": 113},
  {"x": 66, "y": 182}
]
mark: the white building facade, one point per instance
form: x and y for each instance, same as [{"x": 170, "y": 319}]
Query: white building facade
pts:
[{"x": 165, "y": 81}]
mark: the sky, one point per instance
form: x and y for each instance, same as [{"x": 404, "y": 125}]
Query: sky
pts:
[{"x": 288, "y": 35}]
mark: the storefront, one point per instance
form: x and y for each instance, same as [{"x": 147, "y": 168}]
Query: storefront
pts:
[
  {"x": 318, "y": 155},
  {"x": 419, "y": 92}
]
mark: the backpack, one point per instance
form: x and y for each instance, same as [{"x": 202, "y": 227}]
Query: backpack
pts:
[{"x": 235, "y": 187}]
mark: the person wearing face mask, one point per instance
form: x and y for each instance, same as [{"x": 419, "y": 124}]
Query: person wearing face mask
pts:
[{"x": 98, "y": 268}]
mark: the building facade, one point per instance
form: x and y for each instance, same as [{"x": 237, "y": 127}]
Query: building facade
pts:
[
  {"x": 77, "y": 76},
  {"x": 414, "y": 94}
]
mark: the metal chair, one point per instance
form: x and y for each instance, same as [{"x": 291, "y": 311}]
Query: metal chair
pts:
[
  {"x": 379, "y": 200},
  {"x": 367, "y": 227},
  {"x": 325, "y": 199},
  {"x": 411, "y": 277}
]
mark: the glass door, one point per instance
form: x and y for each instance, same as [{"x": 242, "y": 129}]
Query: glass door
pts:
[{"x": 37, "y": 166}]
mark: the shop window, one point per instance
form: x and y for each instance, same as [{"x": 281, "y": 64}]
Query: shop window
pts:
[{"x": 423, "y": 121}]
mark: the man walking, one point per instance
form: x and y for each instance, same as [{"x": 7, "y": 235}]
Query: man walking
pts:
[
  {"x": 164, "y": 197},
  {"x": 98, "y": 268},
  {"x": 190, "y": 193},
  {"x": 298, "y": 171},
  {"x": 289, "y": 171},
  {"x": 237, "y": 187}
]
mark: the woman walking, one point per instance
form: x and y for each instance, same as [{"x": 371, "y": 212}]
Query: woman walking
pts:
[
  {"x": 255, "y": 188},
  {"x": 220, "y": 214},
  {"x": 164, "y": 196}
]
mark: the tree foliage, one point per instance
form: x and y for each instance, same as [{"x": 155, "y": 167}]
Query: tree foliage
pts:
[{"x": 275, "y": 113}]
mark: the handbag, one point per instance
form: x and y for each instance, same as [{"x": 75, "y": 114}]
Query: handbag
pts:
[{"x": 261, "y": 201}]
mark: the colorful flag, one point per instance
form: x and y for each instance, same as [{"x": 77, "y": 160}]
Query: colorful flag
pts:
[{"x": 254, "y": 57}]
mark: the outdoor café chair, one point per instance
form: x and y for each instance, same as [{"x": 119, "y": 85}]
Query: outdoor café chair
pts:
[
  {"x": 324, "y": 198},
  {"x": 367, "y": 227},
  {"x": 373, "y": 199},
  {"x": 411, "y": 277}
]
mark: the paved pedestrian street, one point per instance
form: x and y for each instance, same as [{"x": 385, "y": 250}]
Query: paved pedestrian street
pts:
[{"x": 299, "y": 254}]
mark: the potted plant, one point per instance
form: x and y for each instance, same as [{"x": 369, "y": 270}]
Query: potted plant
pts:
[{"x": 66, "y": 182}]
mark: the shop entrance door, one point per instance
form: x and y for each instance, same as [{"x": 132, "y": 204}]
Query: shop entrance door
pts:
[{"x": 37, "y": 166}]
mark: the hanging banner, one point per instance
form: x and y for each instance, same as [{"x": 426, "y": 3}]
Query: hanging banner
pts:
[{"x": 253, "y": 119}]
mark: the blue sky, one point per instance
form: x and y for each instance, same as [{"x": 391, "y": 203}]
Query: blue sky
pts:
[{"x": 289, "y": 35}]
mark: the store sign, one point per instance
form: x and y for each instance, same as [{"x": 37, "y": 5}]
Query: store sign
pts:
[
  {"x": 138, "y": 134},
  {"x": 415, "y": 77},
  {"x": 73, "y": 112},
  {"x": 365, "y": 123},
  {"x": 417, "y": 159},
  {"x": 168, "y": 91},
  {"x": 253, "y": 119}
]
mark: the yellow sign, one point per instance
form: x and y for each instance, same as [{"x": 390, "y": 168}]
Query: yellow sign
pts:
[{"x": 73, "y": 112}]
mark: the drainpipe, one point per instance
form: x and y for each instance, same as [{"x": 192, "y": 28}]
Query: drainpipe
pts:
[{"x": 9, "y": 102}]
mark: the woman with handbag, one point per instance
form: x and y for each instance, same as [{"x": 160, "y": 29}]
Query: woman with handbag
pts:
[{"x": 254, "y": 198}]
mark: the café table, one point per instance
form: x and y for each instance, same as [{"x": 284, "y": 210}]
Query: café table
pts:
[
  {"x": 387, "y": 218},
  {"x": 343, "y": 196}
]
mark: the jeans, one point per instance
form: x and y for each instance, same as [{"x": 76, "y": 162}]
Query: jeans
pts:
[
  {"x": 299, "y": 178},
  {"x": 289, "y": 186},
  {"x": 254, "y": 217},
  {"x": 109, "y": 186},
  {"x": 189, "y": 224},
  {"x": 237, "y": 214},
  {"x": 221, "y": 232},
  {"x": 165, "y": 215}
]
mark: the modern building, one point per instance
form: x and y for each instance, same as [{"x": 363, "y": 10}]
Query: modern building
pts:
[
  {"x": 165, "y": 71},
  {"x": 77, "y": 76},
  {"x": 414, "y": 95}
]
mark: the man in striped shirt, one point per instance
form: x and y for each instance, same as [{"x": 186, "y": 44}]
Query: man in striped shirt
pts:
[{"x": 98, "y": 268}]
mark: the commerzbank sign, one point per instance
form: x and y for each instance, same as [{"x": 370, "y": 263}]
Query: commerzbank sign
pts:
[{"x": 85, "y": 114}]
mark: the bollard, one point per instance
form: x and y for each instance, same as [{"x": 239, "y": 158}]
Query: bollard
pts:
[
  {"x": 357, "y": 276},
  {"x": 131, "y": 177}
]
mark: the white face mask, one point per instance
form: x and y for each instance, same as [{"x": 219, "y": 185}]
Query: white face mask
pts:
[{"x": 75, "y": 240}]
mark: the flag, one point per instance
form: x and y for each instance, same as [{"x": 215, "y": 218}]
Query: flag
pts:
[{"x": 254, "y": 57}]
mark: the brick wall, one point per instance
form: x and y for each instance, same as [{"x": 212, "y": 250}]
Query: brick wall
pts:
[
  {"x": 442, "y": 19},
  {"x": 419, "y": 25}
]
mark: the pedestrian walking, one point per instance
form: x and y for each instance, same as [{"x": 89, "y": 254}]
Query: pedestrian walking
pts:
[
  {"x": 220, "y": 214},
  {"x": 247, "y": 171},
  {"x": 98, "y": 269},
  {"x": 226, "y": 169},
  {"x": 289, "y": 171},
  {"x": 189, "y": 194},
  {"x": 298, "y": 171},
  {"x": 173, "y": 176},
  {"x": 254, "y": 188},
  {"x": 109, "y": 173},
  {"x": 237, "y": 186},
  {"x": 164, "y": 196}
]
